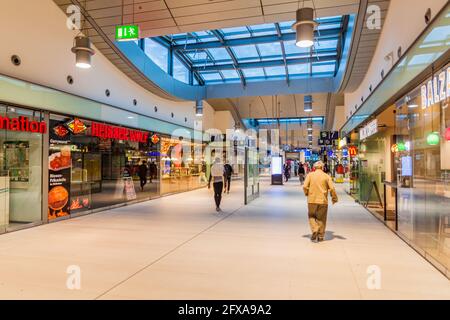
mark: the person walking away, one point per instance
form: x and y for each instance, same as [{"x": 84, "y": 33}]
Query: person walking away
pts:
[
  {"x": 287, "y": 171},
  {"x": 217, "y": 176},
  {"x": 228, "y": 173},
  {"x": 317, "y": 186},
  {"x": 301, "y": 173},
  {"x": 142, "y": 173}
]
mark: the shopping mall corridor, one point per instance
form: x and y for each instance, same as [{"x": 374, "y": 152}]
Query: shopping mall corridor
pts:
[{"x": 178, "y": 247}]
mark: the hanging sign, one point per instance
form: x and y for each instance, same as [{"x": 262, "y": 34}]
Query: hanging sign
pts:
[
  {"x": 127, "y": 33},
  {"x": 436, "y": 89},
  {"x": 369, "y": 129}
]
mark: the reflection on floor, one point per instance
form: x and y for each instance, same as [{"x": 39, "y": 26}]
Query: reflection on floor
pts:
[{"x": 178, "y": 247}]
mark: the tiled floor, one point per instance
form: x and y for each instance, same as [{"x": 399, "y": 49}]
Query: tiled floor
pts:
[{"x": 178, "y": 247}]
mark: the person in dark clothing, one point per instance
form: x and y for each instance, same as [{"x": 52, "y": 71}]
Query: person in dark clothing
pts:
[
  {"x": 287, "y": 172},
  {"x": 301, "y": 173},
  {"x": 217, "y": 176},
  {"x": 142, "y": 172},
  {"x": 153, "y": 171},
  {"x": 228, "y": 173}
]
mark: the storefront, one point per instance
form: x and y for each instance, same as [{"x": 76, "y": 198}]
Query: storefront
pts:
[
  {"x": 422, "y": 159},
  {"x": 21, "y": 138},
  {"x": 375, "y": 162},
  {"x": 405, "y": 152},
  {"x": 95, "y": 165},
  {"x": 183, "y": 166}
]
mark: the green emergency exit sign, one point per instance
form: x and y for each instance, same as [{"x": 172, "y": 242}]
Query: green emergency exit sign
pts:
[{"x": 127, "y": 33}]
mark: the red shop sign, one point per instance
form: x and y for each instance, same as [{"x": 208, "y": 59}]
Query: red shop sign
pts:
[
  {"x": 22, "y": 124},
  {"x": 106, "y": 131}
]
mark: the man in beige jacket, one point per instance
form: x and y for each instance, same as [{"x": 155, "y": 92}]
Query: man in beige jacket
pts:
[{"x": 316, "y": 188}]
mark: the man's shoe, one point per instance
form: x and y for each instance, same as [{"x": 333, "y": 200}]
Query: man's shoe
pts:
[
  {"x": 314, "y": 236},
  {"x": 319, "y": 239},
  {"x": 217, "y": 209}
]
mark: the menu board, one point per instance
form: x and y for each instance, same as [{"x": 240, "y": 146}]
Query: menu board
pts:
[
  {"x": 59, "y": 170},
  {"x": 59, "y": 167}
]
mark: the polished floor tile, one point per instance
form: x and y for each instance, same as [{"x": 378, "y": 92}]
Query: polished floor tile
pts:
[{"x": 179, "y": 247}]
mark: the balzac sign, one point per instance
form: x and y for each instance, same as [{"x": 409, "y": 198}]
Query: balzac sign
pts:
[{"x": 119, "y": 133}]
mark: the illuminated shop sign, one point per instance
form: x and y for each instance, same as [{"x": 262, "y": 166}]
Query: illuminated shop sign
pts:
[
  {"x": 370, "y": 129},
  {"x": 436, "y": 89},
  {"x": 22, "y": 124},
  {"x": 76, "y": 126},
  {"x": 352, "y": 151},
  {"x": 154, "y": 139},
  {"x": 119, "y": 133}
]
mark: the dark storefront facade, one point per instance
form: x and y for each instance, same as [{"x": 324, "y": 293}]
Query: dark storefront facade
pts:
[{"x": 94, "y": 165}]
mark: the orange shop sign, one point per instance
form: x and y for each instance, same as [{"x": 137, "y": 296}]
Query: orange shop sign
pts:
[
  {"x": 352, "y": 151},
  {"x": 106, "y": 131}
]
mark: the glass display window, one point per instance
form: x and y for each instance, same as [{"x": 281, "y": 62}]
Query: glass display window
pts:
[
  {"x": 109, "y": 164},
  {"x": 423, "y": 167},
  {"x": 182, "y": 169},
  {"x": 21, "y": 138}
]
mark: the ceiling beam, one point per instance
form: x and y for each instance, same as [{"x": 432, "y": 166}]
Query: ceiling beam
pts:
[
  {"x": 235, "y": 64},
  {"x": 327, "y": 34},
  {"x": 283, "y": 51},
  {"x": 262, "y": 64}
]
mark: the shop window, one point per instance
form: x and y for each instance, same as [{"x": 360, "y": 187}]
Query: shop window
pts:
[
  {"x": 21, "y": 167},
  {"x": 106, "y": 166}
]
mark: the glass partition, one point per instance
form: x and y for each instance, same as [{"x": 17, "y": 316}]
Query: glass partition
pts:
[{"x": 422, "y": 157}]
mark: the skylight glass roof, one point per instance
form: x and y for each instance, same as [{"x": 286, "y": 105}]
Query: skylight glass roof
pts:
[{"x": 255, "y": 53}]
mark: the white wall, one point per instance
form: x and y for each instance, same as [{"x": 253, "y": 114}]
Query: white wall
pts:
[
  {"x": 404, "y": 22},
  {"x": 339, "y": 118},
  {"x": 36, "y": 31}
]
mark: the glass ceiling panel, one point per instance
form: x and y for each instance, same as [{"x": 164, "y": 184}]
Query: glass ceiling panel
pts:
[
  {"x": 197, "y": 55},
  {"x": 248, "y": 51},
  {"x": 253, "y": 72},
  {"x": 235, "y": 33},
  {"x": 256, "y": 60},
  {"x": 204, "y": 36},
  {"x": 230, "y": 74},
  {"x": 263, "y": 29},
  {"x": 291, "y": 48},
  {"x": 210, "y": 76},
  {"x": 219, "y": 54},
  {"x": 298, "y": 68},
  {"x": 270, "y": 49},
  {"x": 275, "y": 71},
  {"x": 323, "y": 67},
  {"x": 326, "y": 44}
]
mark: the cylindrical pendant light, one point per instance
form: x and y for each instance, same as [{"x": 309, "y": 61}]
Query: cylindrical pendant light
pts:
[
  {"x": 83, "y": 52},
  {"x": 199, "y": 108},
  {"x": 304, "y": 27}
]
